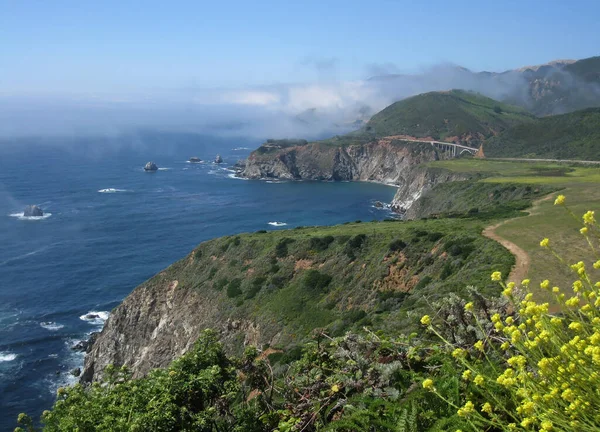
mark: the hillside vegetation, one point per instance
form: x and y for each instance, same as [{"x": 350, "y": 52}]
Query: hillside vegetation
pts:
[
  {"x": 340, "y": 277},
  {"x": 455, "y": 115},
  {"x": 568, "y": 136},
  {"x": 500, "y": 364}
]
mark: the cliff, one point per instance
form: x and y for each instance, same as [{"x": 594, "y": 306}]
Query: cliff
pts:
[
  {"x": 381, "y": 160},
  {"x": 273, "y": 289}
]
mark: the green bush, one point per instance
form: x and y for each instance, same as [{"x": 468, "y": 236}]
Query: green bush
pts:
[
  {"x": 281, "y": 249},
  {"x": 234, "y": 288},
  {"x": 321, "y": 243},
  {"x": 315, "y": 280},
  {"x": 397, "y": 245}
]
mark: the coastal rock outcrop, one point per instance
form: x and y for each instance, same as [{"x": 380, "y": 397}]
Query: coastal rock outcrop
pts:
[
  {"x": 195, "y": 159},
  {"x": 218, "y": 159},
  {"x": 150, "y": 166},
  {"x": 421, "y": 180},
  {"x": 389, "y": 161},
  {"x": 33, "y": 211},
  {"x": 383, "y": 161},
  {"x": 158, "y": 322}
]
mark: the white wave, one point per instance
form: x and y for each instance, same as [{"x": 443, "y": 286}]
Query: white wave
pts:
[
  {"x": 277, "y": 224},
  {"x": 95, "y": 317},
  {"x": 112, "y": 190},
  {"x": 52, "y": 326},
  {"x": 21, "y": 216},
  {"x": 52, "y": 355},
  {"x": 6, "y": 356},
  {"x": 234, "y": 176},
  {"x": 164, "y": 169},
  {"x": 241, "y": 148}
]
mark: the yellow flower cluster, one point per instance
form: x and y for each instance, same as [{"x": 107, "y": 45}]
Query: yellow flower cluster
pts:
[{"x": 547, "y": 363}]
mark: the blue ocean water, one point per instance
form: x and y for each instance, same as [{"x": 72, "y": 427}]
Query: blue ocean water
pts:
[{"x": 109, "y": 226}]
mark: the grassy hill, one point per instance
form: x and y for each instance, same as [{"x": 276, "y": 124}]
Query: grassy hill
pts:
[
  {"x": 341, "y": 277},
  {"x": 466, "y": 116},
  {"x": 568, "y": 136}
]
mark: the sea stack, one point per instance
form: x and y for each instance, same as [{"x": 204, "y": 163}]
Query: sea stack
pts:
[
  {"x": 150, "y": 166},
  {"x": 218, "y": 159},
  {"x": 33, "y": 210},
  {"x": 195, "y": 159}
]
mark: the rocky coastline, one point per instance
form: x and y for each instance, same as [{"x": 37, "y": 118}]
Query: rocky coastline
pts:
[{"x": 390, "y": 162}]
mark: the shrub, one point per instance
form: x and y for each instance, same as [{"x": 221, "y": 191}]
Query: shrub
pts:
[
  {"x": 397, "y": 245},
  {"x": 321, "y": 243},
  {"x": 281, "y": 249},
  {"x": 425, "y": 280},
  {"x": 234, "y": 288},
  {"x": 536, "y": 370},
  {"x": 315, "y": 280},
  {"x": 353, "y": 244}
]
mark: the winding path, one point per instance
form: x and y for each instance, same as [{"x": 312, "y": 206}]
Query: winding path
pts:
[{"x": 522, "y": 260}]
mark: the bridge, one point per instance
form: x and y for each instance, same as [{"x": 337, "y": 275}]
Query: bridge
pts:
[{"x": 455, "y": 149}]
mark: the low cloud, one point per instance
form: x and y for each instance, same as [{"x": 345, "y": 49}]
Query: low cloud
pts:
[{"x": 306, "y": 110}]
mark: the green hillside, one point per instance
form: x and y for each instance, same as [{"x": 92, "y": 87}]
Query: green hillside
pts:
[
  {"x": 568, "y": 136},
  {"x": 442, "y": 115},
  {"x": 339, "y": 277}
]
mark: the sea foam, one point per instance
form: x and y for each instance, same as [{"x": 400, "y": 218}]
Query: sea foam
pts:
[
  {"x": 95, "y": 317},
  {"x": 6, "y": 356},
  {"x": 112, "y": 190},
  {"x": 277, "y": 224},
  {"x": 52, "y": 326},
  {"x": 21, "y": 216}
]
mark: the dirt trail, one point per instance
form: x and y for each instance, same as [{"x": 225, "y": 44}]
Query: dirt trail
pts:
[{"x": 522, "y": 260}]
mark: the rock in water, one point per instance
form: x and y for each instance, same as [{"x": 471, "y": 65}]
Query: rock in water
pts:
[
  {"x": 378, "y": 204},
  {"x": 33, "y": 210},
  {"x": 150, "y": 166},
  {"x": 218, "y": 159},
  {"x": 76, "y": 372},
  {"x": 195, "y": 159}
]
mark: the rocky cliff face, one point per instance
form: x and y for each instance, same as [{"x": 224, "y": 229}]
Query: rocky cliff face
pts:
[
  {"x": 383, "y": 161},
  {"x": 386, "y": 161},
  {"x": 159, "y": 321},
  {"x": 422, "y": 179}
]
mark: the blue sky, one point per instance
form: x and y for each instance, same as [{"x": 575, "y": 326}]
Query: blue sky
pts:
[{"x": 117, "y": 46}]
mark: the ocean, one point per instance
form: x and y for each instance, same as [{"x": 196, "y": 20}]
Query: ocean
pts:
[{"x": 108, "y": 226}]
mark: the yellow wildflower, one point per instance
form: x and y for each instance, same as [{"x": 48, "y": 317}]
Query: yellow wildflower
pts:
[
  {"x": 486, "y": 408},
  {"x": 588, "y": 218},
  {"x": 428, "y": 384},
  {"x": 466, "y": 375},
  {"x": 545, "y": 243},
  {"x": 496, "y": 276},
  {"x": 525, "y": 282},
  {"x": 478, "y": 380},
  {"x": 560, "y": 200},
  {"x": 426, "y": 320},
  {"x": 458, "y": 352},
  {"x": 467, "y": 409},
  {"x": 479, "y": 345},
  {"x": 583, "y": 230},
  {"x": 469, "y": 307},
  {"x": 545, "y": 284},
  {"x": 335, "y": 388}
]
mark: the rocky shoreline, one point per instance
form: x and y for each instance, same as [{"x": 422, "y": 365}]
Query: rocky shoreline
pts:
[{"x": 383, "y": 161}]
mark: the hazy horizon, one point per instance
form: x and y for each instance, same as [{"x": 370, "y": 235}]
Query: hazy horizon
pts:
[{"x": 109, "y": 67}]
